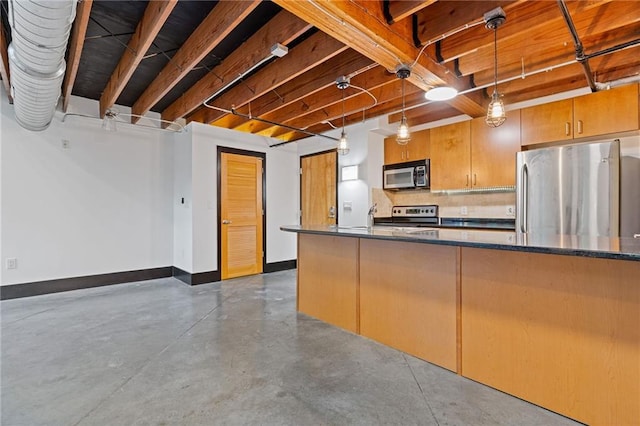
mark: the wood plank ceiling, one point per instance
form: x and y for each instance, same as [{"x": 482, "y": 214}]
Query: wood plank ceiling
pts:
[{"x": 171, "y": 56}]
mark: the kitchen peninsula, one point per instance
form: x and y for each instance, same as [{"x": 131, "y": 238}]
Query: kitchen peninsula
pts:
[{"x": 554, "y": 320}]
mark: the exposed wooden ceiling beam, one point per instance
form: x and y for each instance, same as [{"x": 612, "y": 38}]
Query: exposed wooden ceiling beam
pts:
[
  {"x": 400, "y": 9},
  {"x": 354, "y": 104},
  {"x": 383, "y": 107},
  {"x": 324, "y": 75},
  {"x": 366, "y": 32},
  {"x": 83, "y": 10},
  {"x": 330, "y": 95},
  {"x": 224, "y": 17},
  {"x": 154, "y": 17},
  {"x": 4, "y": 65},
  {"x": 305, "y": 56},
  {"x": 542, "y": 21},
  {"x": 445, "y": 16},
  {"x": 430, "y": 113},
  {"x": 283, "y": 28}
]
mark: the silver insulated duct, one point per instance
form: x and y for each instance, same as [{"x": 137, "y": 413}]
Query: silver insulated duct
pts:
[{"x": 39, "y": 31}]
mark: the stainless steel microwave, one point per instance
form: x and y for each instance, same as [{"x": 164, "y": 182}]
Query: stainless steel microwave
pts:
[{"x": 414, "y": 174}]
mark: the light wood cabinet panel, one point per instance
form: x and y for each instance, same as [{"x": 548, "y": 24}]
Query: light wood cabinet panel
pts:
[
  {"x": 408, "y": 298},
  {"x": 493, "y": 152},
  {"x": 547, "y": 122},
  {"x": 416, "y": 149},
  {"x": 328, "y": 278},
  {"x": 609, "y": 111},
  {"x": 559, "y": 331},
  {"x": 451, "y": 156},
  {"x": 393, "y": 153}
]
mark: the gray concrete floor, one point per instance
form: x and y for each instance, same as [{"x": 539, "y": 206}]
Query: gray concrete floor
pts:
[{"x": 163, "y": 353}]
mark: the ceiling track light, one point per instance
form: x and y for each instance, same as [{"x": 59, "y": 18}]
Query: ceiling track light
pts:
[
  {"x": 342, "y": 83},
  {"x": 496, "y": 114},
  {"x": 404, "y": 136}
]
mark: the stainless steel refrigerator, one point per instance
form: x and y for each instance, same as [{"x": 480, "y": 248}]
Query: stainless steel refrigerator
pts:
[{"x": 569, "y": 190}]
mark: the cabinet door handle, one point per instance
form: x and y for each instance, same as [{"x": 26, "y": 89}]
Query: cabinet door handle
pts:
[
  {"x": 474, "y": 180},
  {"x": 407, "y": 154},
  {"x": 467, "y": 184},
  {"x": 402, "y": 155},
  {"x": 567, "y": 128},
  {"x": 580, "y": 127}
]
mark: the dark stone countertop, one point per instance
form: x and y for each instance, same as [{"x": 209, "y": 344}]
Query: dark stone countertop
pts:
[{"x": 569, "y": 245}]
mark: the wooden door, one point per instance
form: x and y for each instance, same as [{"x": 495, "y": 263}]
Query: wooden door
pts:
[
  {"x": 451, "y": 156},
  {"x": 241, "y": 215},
  {"x": 319, "y": 200},
  {"x": 609, "y": 111},
  {"x": 493, "y": 152},
  {"x": 547, "y": 122}
]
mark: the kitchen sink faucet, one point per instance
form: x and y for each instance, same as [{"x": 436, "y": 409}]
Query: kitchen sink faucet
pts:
[{"x": 372, "y": 210}]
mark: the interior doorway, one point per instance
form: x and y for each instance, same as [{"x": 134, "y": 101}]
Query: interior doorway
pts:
[
  {"x": 318, "y": 188},
  {"x": 241, "y": 212}
]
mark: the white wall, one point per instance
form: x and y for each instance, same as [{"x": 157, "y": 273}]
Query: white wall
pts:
[
  {"x": 182, "y": 200},
  {"x": 101, "y": 205},
  {"x": 282, "y": 194}
]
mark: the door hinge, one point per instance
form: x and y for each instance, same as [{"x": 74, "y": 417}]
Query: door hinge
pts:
[{"x": 301, "y": 170}]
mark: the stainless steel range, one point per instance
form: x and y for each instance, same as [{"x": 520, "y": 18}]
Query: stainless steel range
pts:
[{"x": 411, "y": 216}]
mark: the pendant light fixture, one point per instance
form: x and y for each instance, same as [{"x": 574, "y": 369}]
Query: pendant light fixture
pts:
[
  {"x": 343, "y": 146},
  {"x": 496, "y": 114},
  {"x": 404, "y": 136}
]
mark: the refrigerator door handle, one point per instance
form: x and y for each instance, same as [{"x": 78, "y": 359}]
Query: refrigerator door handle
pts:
[{"x": 524, "y": 195}]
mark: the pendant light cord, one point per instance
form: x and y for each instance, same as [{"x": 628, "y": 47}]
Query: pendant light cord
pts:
[
  {"x": 403, "y": 98},
  {"x": 495, "y": 59},
  {"x": 343, "y": 111}
]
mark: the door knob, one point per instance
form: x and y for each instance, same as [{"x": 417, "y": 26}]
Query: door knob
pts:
[{"x": 226, "y": 222}]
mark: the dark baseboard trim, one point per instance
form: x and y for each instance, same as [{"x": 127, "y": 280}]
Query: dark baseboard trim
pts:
[
  {"x": 197, "y": 278},
  {"x": 281, "y": 266},
  {"x": 16, "y": 291}
]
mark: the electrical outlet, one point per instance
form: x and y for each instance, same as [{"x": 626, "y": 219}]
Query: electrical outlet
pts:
[
  {"x": 511, "y": 211},
  {"x": 12, "y": 263},
  {"x": 464, "y": 211}
]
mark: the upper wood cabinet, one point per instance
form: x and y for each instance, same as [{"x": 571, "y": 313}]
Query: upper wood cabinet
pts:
[
  {"x": 493, "y": 152},
  {"x": 451, "y": 156},
  {"x": 547, "y": 122},
  {"x": 609, "y": 111},
  {"x": 471, "y": 154},
  {"x": 416, "y": 149}
]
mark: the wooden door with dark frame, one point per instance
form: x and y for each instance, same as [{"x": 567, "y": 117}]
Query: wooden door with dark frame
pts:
[
  {"x": 318, "y": 188},
  {"x": 241, "y": 212}
]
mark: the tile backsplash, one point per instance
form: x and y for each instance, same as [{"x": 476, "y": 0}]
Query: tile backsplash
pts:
[{"x": 476, "y": 205}]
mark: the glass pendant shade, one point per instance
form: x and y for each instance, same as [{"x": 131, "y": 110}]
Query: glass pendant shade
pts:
[
  {"x": 343, "y": 145},
  {"x": 496, "y": 114},
  {"x": 403, "y": 136}
]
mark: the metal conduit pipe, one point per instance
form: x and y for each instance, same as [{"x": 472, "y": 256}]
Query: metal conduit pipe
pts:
[
  {"x": 39, "y": 31},
  {"x": 580, "y": 56}
]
